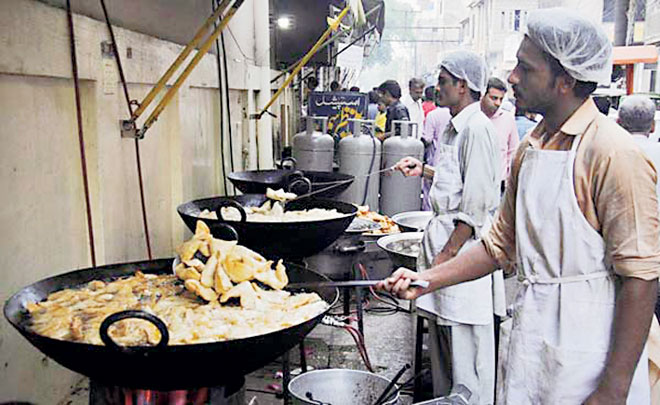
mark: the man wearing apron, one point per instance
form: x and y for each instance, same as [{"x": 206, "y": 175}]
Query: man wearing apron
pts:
[
  {"x": 464, "y": 195},
  {"x": 579, "y": 223}
]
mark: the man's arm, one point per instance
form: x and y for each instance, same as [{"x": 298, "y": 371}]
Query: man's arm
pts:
[
  {"x": 467, "y": 266},
  {"x": 461, "y": 233},
  {"x": 634, "y": 309}
]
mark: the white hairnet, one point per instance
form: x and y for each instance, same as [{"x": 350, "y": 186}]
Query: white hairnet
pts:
[
  {"x": 467, "y": 66},
  {"x": 579, "y": 45}
]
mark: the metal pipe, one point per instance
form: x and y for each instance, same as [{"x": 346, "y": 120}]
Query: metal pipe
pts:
[
  {"x": 262, "y": 60},
  {"x": 81, "y": 140},
  {"x": 193, "y": 63},
  {"x": 305, "y": 59},
  {"x": 214, "y": 5},
  {"x": 179, "y": 60},
  {"x": 227, "y": 103},
  {"x": 115, "y": 50}
]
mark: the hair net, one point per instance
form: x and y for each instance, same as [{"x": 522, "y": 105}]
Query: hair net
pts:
[
  {"x": 579, "y": 45},
  {"x": 467, "y": 66}
]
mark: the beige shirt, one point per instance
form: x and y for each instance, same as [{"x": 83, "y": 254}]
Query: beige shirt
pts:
[{"x": 615, "y": 189}]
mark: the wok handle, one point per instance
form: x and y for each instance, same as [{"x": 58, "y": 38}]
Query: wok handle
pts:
[
  {"x": 292, "y": 163},
  {"x": 231, "y": 203},
  {"x": 230, "y": 229},
  {"x": 302, "y": 180},
  {"x": 359, "y": 247},
  {"x": 118, "y": 316}
]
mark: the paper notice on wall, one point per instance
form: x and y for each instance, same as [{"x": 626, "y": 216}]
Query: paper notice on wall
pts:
[{"x": 351, "y": 58}]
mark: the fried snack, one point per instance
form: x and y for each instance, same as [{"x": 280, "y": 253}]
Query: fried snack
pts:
[
  {"x": 387, "y": 226},
  {"x": 208, "y": 274},
  {"x": 196, "y": 287},
  {"x": 272, "y": 212},
  {"x": 241, "y": 264},
  {"x": 196, "y": 303},
  {"x": 245, "y": 292},
  {"x": 221, "y": 281},
  {"x": 279, "y": 194}
]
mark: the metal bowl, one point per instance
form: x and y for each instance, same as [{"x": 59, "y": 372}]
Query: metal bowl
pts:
[
  {"x": 338, "y": 386},
  {"x": 412, "y": 221},
  {"x": 399, "y": 258}
]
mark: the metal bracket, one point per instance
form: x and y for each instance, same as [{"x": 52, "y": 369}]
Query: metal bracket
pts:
[
  {"x": 258, "y": 116},
  {"x": 107, "y": 50},
  {"x": 129, "y": 129}
]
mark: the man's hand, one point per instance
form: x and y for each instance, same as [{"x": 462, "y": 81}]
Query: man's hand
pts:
[
  {"x": 399, "y": 282},
  {"x": 409, "y": 166}
]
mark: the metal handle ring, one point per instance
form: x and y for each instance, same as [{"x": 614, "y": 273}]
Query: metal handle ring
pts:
[
  {"x": 303, "y": 180},
  {"x": 118, "y": 316},
  {"x": 231, "y": 203},
  {"x": 292, "y": 163}
]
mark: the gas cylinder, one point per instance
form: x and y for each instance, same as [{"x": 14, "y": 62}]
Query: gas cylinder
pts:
[
  {"x": 359, "y": 155},
  {"x": 397, "y": 192},
  {"x": 314, "y": 150}
]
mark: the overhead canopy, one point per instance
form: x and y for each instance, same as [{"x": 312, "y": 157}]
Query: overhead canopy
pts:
[{"x": 626, "y": 55}]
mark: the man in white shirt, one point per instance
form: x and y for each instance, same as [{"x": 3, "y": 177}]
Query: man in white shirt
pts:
[
  {"x": 413, "y": 102},
  {"x": 636, "y": 115}
]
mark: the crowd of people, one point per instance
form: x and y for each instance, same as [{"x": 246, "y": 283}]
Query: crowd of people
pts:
[{"x": 568, "y": 204}]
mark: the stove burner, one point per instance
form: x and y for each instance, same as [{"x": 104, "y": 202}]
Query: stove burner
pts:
[{"x": 228, "y": 394}]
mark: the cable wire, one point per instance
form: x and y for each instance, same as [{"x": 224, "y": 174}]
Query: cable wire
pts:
[
  {"x": 214, "y": 5},
  {"x": 226, "y": 85},
  {"x": 129, "y": 105},
  {"x": 81, "y": 140}
]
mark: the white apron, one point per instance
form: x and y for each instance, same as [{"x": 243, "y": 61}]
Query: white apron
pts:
[
  {"x": 563, "y": 314},
  {"x": 470, "y": 302}
]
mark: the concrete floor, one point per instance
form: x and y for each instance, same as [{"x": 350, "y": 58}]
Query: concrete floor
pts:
[{"x": 389, "y": 341}]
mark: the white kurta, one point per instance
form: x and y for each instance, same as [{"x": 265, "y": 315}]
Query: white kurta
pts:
[
  {"x": 557, "y": 344},
  {"x": 465, "y": 188},
  {"x": 416, "y": 113}
]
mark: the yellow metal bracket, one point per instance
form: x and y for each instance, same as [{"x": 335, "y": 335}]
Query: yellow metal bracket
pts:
[{"x": 129, "y": 127}]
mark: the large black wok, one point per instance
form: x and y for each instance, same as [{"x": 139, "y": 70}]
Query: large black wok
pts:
[
  {"x": 160, "y": 367},
  {"x": 257, "y": 181},
  {"x": 291, "y": 240}
]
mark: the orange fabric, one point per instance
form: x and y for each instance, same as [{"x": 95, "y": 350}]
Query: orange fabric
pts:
[{"x": 614, "y": 186}]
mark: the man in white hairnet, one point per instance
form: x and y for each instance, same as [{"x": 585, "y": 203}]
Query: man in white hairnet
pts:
[
  {"x": 579, "y": 230},
  {"x": 464, "y": 196}
]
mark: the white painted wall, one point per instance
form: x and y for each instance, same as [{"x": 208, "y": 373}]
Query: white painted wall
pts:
[{"x": 42, "y": 209}]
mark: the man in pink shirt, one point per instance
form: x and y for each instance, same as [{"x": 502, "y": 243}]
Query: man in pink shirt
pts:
[
  {"x": 434, "y": 126},
  {"x": 504, "y": 123}
]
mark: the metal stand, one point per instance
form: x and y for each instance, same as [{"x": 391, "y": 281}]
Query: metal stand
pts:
[{"x": 286, "y": 378}]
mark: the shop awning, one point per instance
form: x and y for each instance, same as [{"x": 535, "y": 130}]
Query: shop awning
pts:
[{"x": 626, "y": 55}]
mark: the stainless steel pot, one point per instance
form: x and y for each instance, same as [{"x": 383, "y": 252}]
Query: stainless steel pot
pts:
[
  {"x": 412, "y": 221},
  {"x": 401, "y": 258},
  {"x": 338, "y": 387}
]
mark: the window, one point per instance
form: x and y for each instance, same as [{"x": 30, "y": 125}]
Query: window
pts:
[
  {"x": 510, "y": 25},
  {"x": 653, "y": 79},
  {"x": 516, "y": 20}
]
